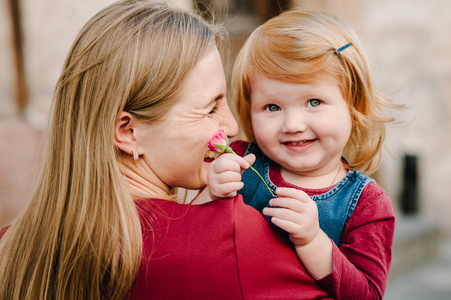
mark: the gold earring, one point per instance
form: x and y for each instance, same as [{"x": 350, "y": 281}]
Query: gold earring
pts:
[{"x": 135, "y": 155}]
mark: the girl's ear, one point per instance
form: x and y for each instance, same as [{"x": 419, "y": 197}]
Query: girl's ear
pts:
[{"x": 125, "y": 133}]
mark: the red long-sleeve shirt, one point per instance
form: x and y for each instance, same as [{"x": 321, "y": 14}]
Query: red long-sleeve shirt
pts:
[{"x": 223, "y": 249}]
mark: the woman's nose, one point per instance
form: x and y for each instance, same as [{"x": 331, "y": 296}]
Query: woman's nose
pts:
[{"x": 228, "y": 123}]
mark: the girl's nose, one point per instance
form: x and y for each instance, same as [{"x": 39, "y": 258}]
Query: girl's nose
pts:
[{"x": 294, "y": 122}]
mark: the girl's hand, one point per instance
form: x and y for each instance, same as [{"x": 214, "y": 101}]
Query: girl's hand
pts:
[
  {"x": 295, "y": 212},
  {"x": 224, "y": 175}
]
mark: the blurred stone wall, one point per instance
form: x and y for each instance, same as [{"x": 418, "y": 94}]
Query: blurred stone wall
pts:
[
  {"x": 408, "y": 43},
  {"x": 49, "y": 28}
]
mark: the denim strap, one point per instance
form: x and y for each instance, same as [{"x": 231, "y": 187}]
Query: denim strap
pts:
[{"x": 335, "y": 207}]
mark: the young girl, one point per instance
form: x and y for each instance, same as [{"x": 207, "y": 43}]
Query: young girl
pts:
[{"x": 314, "y": 122}]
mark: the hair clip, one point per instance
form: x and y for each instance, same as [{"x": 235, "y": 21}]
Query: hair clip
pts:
[{"x": 343, "y": 48}]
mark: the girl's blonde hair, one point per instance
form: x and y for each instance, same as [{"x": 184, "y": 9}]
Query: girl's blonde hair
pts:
[
  {"x": 80, "y": 237},
  {"x": 300, "y": 46}
]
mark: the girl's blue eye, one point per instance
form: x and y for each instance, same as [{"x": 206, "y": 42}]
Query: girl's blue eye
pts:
[
  {"x": 272, "y": 107},
  {"x": 314, "y": 103}
]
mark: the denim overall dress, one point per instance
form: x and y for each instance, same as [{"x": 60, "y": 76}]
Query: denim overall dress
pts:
[{"x": 335, "y": 207}]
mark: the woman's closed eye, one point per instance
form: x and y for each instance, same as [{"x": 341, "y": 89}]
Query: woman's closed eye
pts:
[
  {"x": 214, "y": 109},
  {"x": 314, "y": 102},
  {"x": 217, "y": 102},
  {"x": 272, "y": 107}
]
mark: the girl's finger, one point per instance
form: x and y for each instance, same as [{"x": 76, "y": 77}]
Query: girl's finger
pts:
[
  {"x": 229, "y": 188},
  {"x": 250, "y": 158},
  {"x": 288, "y": 226},
  {"x": 282, "y": 213},
  {"x": 288, "y": 203},
  {"x": 293, "y": 193},
  {"x": 232, "y": 162},
  {"x": 228, "y": 176}
]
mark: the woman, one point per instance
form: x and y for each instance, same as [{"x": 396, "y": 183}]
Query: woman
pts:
[{"x": 141, "y": 93}]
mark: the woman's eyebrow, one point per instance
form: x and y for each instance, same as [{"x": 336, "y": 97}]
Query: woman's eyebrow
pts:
[
  {"x": 213, "y": 100},
  {"x": 219, "y": 97}
]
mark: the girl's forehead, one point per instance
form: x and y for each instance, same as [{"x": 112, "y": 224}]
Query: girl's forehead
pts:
[{"x": 317, "y": 77}]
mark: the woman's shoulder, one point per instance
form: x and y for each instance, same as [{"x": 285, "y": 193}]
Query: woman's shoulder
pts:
[
  {"x": 226, "y": 231},
  {"x": 159, "y": 213}
]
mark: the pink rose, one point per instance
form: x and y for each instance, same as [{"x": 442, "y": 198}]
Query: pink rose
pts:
[{"x": 219, "y": 143}]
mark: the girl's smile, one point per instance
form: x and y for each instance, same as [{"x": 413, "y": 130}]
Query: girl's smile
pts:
[
  {"x": 299, "y": 146},
  {"x": 299, "y": 143}
]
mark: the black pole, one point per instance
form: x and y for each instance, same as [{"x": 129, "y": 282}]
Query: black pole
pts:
[{"x": 409, "y": 197}]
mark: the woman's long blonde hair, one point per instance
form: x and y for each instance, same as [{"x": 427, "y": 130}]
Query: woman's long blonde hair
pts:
[
  {"x": 299, "y": 46},
  {"x": 80, "y": 236}
]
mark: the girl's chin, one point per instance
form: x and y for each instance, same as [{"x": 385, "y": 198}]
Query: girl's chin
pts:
[{"x": 299, "y": 165}]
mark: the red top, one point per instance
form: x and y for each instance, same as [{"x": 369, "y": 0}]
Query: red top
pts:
[
  {"x": 223, "y": 249},
  {"x": 362, "y": 263}
]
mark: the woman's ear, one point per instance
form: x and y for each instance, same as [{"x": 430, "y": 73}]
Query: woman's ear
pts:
[{"x": 125, "y": 133}]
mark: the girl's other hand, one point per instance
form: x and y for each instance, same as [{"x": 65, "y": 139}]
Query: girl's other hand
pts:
[{"x": 295, "y": 212}]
